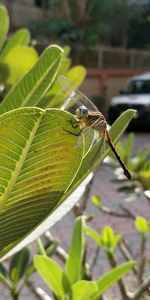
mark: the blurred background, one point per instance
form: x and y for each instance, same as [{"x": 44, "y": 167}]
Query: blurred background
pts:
[{"x": 110, "y": 38}]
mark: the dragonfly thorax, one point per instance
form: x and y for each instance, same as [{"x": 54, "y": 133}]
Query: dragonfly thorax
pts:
[{"x": 82, "y": 112}]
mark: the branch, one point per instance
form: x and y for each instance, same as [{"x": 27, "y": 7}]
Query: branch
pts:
[
  {"x": 106, "y": 210},
  {"x": 94, "y": 258},
  {"x": 128, "y": 212},
  {"x": 144, "y": 287},
  {"x": 34, "y": 291},
  {"x": 142, "y": 258},
  {"x": 60, "y": 252},
  {"x": 79, "y": 208},
  {"x": 120, "y": 282},
  {"x": 126, "y": 252}
]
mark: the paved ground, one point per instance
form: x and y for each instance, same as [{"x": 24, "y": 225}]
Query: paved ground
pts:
[{"x": 104, "y": 186}]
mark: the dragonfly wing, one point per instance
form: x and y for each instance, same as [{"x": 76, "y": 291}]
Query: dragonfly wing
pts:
[{"x": 74, "y": 98}]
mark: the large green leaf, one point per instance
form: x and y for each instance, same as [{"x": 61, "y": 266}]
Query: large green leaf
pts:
[
  {"x": 4, "y": 25},
  {"x": 83, "y": 290},
  {"x": 74, "y": 190},
  {"x": 38, "y": 161},
  {"x": 26, "y": 58},
  {"x": 29, "y": 90},
  {"x": 20, "y": 37},
  {"x": 52, "y": 274},
  {"x": 74, "y": 262},
  {"x": 107, "y": 280}
]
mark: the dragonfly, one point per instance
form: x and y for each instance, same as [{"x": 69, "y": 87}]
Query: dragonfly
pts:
[{"x": 87, "y": 115}]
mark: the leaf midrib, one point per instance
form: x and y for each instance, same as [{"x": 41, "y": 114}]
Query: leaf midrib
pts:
[
  {"x": 20, "y": 162},
  {"x": 39, "y": 82}
]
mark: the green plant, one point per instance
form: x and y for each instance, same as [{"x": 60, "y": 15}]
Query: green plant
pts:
[
  {"x": 13, "y": 276},
  {"x": 137, "y": 163},
  {"x": 115, "y": 244},
  {"x": 11, "y": 70},
  {"x": 71, "y": 283},
  {"x": 36, "y": 175},
  {"x": 35, "y": 186}
]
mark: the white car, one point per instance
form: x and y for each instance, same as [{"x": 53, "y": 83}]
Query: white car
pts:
[{"x": 136, "y": 94}]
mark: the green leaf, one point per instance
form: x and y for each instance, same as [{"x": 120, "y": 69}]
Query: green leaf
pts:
[
  {"x": 83, "y": 290},
  {"x": 26, "y": 58},
  {"x": 74, "y": 262},
  {"x": 38, "y": 161},
  {"x": 52, "y": 274},
  {"x": 42, "y": 210},
  {"x": 141, "y": 225},
  {"x": 107, "y": 280},
  {"x": 93, "y": 234},
  {"x": 144, "y": 178},
  {"x": 109, "y": 240},
  {"x": 35, "y": 83},
  {"x": 64, "y": 65},
  {"x": 19, "y": 264},
  {"x": 96, "y": 200},
  {"x": 19, "y": 38},
  {"x": 56, "y": 95},
  {"x": 129, "y": 145},
  {"x": 67, "y": 51},
  {"x": 3, "y": 271},
  {"x": 4, "y": 24}
]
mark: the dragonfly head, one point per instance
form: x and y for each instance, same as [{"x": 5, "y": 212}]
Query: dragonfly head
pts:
[{"x": 82, "y": 112}]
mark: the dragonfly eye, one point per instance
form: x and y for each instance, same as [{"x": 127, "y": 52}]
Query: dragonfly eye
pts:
[{"x": 82, "y": 112}]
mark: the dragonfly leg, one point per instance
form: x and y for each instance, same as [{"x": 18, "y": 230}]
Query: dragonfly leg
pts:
[
  {"x": 73, "y": 133},
  {"x": 74, "y": 124}
]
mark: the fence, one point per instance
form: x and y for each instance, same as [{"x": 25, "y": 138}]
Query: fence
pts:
[{"x": 108, "y": 57}]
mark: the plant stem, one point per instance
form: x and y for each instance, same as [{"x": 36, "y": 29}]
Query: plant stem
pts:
[
  {"x": 141, "y": 290},
  {"x": 14, "y": 294},
  {"x": 41, "y": 247},
  {"x": 113, "y": 264}
]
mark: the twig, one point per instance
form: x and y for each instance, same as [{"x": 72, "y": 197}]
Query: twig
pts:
[
  {"x": 31, "y": 287},
  {"x": 42, "y": 294},
  {"x": 79, "y": 208},
  {"x": 127, "y": 254},
  {"x": 94, "y": 258},
  {"x": 107, "y": 211},
  {"x": 121, "y": 284},
  {"x": 128, "y": 212},
  {"x": 60, "y": 252},
  {"x": 142, "y": 258},
  {"x": 144, "y": 287}
]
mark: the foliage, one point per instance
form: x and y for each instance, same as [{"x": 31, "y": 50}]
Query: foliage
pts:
[
  {"x": 36, "y": 175},
  {"x": 137, "y": 163},
  {"x": 31, "y": 185},
  {"x": 11, "y": 70},
  {"x": 142, "y": 225},
  {"x": 88, "y": 23},
  {"x": 13, "y": 275},
  {"x": 72, "y": 281},
  {"x": 123, "y": 248},
  {"x": 107, "y": 241}
]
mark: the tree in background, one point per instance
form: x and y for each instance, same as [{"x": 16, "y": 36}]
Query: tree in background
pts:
[{"x": 86, "y": 23}]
